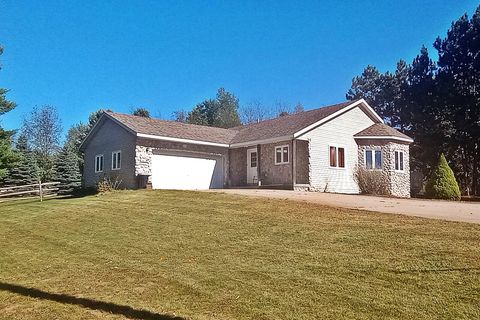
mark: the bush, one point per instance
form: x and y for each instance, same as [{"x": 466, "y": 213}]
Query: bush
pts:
[
  {"x": 108, "y": 185},
  {"x": 442, "y": 183},
  {"x": 371, "y": 181}
]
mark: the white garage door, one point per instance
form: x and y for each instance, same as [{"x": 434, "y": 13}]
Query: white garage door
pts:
[{"x": 186, "y": 173}]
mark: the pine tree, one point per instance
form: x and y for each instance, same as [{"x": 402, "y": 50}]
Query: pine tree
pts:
[
  {"x": 26, "y": 169},
  {"x": 221, "y": 112},
  {"x": 67, "y": 171},
  {"x": 8, "y": 157},
  {"x": 442, "y": 183},
  {"x": 141, "y": 112}
]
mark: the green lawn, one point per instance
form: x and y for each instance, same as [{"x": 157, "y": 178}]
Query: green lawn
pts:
[{"x": 150, "y": 254}]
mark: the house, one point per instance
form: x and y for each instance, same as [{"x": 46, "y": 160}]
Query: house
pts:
[{"x": 316, "y": 150}]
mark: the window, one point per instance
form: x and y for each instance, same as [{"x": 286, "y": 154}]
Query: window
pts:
[
  {"x": 373, "y": 159},
  {"x": 337, "y": 157},
  {"x": 99, "y": 163},
  {"x": 399, "y": 160},
  {"x": 253, "y": 159},
  {"x": 116, "y": 160},
  {"x": 281, "y": 155}
]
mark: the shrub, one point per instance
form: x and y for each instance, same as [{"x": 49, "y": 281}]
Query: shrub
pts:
[
  {"x": 371, "y": 181},
  {"x": 108, "y": 185},
  {"x": 442, "y": 183}
]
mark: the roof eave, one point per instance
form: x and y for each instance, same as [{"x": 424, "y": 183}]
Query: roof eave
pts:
[
  {"x": 409, "y": 140},
  {"x": 181, "y": 140}
]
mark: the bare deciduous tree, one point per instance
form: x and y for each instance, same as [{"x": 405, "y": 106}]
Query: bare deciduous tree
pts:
[
  {"x": 43, "y": 129},
  {"x": 254, "y": 112}
]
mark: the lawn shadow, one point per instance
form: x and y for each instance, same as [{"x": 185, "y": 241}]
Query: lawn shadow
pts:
[{"x": 113, "y": 308}]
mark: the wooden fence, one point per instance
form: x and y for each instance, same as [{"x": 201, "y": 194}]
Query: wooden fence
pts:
[{"x": 28, "y": 191}]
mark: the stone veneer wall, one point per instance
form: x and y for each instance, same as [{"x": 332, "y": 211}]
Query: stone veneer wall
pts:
[
  {"x": 398, "y": 181},
  {"x": 238, "y": 167},
  {"x": 143, "y": 160},
  {"x": 271, "y": 173},
  {"x": 303, "y": 162}
]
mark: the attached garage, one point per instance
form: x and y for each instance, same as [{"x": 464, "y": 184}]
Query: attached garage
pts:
[{"x": 187, "y": 172}]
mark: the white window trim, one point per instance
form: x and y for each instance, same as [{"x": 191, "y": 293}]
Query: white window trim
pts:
[
  {"x": 395, "y": 160},
  {"x": 373, "y": 158},
  {"x": 344, "y": 155},
  {"x": 95, "y": 163},
  {"x": 281, "y": 149},
  {"x": 119, "y": 165}
]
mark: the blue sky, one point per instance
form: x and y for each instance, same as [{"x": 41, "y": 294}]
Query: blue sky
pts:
[{"x": 167, "y": 55}]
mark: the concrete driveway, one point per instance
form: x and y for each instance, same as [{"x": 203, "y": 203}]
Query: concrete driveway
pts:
[{"x": 434, "y": 209}]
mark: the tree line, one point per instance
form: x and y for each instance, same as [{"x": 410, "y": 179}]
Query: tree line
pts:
[
  {"x": 35, "y": 152},
  {"x": 437, "y": 103}
]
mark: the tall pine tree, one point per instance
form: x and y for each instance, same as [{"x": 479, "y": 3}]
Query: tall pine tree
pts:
[
  {"x": 26, "y": 169},
  {"x": 8, "y": 157},
  {"x": 67, "y": 171}
]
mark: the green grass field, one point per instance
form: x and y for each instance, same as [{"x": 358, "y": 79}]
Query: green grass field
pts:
[{"x": 155, "y": 254}]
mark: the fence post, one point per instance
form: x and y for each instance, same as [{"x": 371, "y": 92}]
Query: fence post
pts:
[{"x": 40, "y": 192}]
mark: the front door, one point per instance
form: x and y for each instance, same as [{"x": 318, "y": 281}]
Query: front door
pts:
[{"x": 252, "y": 164}]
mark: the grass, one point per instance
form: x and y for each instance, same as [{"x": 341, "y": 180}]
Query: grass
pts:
[{"x": 155, "y": 254}]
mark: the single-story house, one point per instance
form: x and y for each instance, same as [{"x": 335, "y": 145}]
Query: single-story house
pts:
[{"x": 317, "y": 150}]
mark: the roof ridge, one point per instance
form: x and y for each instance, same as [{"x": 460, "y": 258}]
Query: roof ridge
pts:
[{"x": 346, "y": 103}]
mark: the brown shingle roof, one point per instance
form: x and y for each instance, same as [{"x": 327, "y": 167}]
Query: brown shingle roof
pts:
[
  {"x": 274, "y": 128},
  {"x": 174, "y": 129},
  {"x": 286, "y": 125},
  {"x": 382, "y": 130}
]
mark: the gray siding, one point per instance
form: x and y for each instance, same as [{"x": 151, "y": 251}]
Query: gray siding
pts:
[{"x": 110, "y": 137}]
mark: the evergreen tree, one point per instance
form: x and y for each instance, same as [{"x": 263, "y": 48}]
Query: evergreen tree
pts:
[
  {"x": 227, "y": 111},
  {"x": 26, "y": 170},
  {"x": 67, "y": 171},
  {"x": 442, "y": 183},
  {"x": 8, "y": 158},
  {"x": 203, "y": 113},
  {"x": 221, "y": 112},
  {"x": 141, "y": 112},
  {"x": 458, "y": 75}
]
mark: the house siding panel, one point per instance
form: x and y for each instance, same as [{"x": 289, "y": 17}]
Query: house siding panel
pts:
[
  {"x": 338, "y": 131},
  {"x": 110, "y": 137}
]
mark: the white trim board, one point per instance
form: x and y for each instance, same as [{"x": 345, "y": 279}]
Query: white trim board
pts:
[
  {"x": 385, "y": 138},
  {"x": 206, "y": 143},
  {"x": 263, "y": 141}
]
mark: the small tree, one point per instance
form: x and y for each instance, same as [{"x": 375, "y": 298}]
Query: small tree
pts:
[
  {"x": 67, "y": 171},
  {"x": 442, "y": 184}
]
